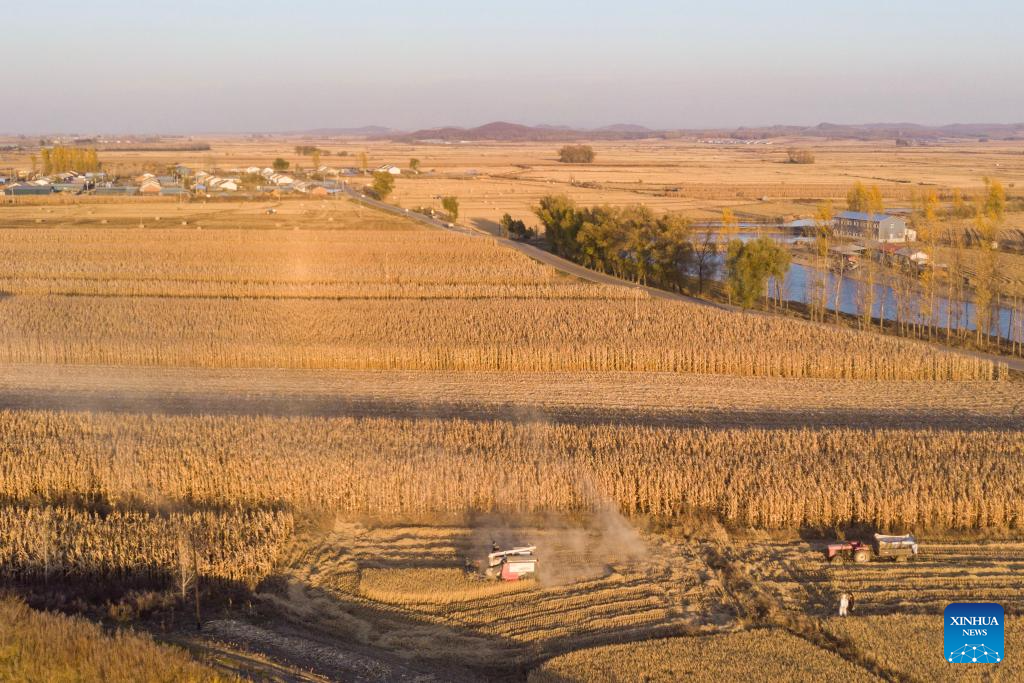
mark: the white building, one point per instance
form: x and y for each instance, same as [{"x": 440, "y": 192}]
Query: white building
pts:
[
  {"x": 871, "y": 226},
  {"x": 389, "y": 168}
]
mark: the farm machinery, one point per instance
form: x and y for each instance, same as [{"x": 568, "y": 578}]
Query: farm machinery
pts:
[
  {"x": 896, "y": 548},
  {"x": 511, "y": 565}
]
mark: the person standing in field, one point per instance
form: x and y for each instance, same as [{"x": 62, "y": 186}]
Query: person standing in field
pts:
[{"x": 844, "y": 604}]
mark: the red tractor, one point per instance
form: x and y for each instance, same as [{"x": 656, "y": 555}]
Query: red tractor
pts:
[{"x": 896, "y": 548}]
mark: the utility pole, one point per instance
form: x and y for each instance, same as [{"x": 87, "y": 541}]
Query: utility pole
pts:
[{"x": 195, "y": 587}]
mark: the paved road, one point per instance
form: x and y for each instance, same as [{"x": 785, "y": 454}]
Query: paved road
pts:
[
  {"x": 546, "y": 257},
  {"x": 570, "y": 268}
]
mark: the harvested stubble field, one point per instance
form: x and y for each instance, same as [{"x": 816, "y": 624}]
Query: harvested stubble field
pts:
[
  {"x": 798, "y": 575},
  {"x": 491, "y": 178},
  {"x": 684, "y": 176},
  {"x": 761, "y": 656},
  {"x": 407, "y": 589},
  {"x": 911, "y": 645}
]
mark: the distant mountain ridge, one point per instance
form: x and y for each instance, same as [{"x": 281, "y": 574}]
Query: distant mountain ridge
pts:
[
  {"x": 516, "y": 132},
  {"x": 504, "y": 131}
]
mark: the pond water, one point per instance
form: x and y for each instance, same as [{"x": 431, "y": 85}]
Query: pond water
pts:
[{"x": 796, "y": 284}]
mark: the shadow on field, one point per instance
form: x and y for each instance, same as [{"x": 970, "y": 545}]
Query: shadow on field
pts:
[
  {"x": 432, "y": 644},
  {"x": 326, "y": 406},
  {"x": 485, "y": 225}
]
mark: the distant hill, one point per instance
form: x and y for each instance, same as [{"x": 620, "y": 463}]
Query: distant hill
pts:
[
  {"x": 514, "y": 132},
  {"x": 504, "y": 131}
]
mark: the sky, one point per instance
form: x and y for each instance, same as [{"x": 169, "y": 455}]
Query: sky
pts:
[{"x": 258, "y": 66}]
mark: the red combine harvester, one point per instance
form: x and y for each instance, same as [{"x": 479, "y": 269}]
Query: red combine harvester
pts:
[
  {"x": 896, "y": 548},
  {"x": 512, "y": 565}
]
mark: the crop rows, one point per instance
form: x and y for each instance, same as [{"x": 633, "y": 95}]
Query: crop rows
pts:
[
  {"x": 943, "y": 479},
  {"x": 941, "y": 574},
  {"x": 39, "y": 646},
  {"x": 515, "y": 335},
  {"x": 911, "y": 646},
  {"x": 40, "y": 542},
  {"x": 760, "y": 655},
  {"x": 382, "y": 299},
  {"x": 244, "y": 263},
  {"x": 417, "y": 573},
  {"x": 432, "y": 586}
]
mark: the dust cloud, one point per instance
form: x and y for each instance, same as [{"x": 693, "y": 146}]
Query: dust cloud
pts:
[{"x": 569, "y": 549}]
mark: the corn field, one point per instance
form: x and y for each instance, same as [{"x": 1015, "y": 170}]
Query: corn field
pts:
[
  {"x": 39, "y": 543},
  {"x": 517, "y": 335},
  {"x": 382, "y": 300},
  {"x": 443, "y": 586},
  {"x": 236, "y": 263},
  {"x": 40, "y": 646},
  {"x": 772, "y": 479}
]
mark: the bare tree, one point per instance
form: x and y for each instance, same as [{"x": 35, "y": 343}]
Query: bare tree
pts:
[
  {"x": 185, "y": 567},
  {"x": 704, "y": 257}
]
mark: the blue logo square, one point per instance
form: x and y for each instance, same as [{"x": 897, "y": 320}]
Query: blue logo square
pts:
[{"x": 973, "y": 633}]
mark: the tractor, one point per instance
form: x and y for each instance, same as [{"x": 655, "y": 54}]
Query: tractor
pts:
[{"x": 896, "y": 548}]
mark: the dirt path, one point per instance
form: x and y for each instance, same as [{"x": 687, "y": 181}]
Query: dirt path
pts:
[
  {"x": 325, "y": 661},
  {"x": 658, "y": 399}
]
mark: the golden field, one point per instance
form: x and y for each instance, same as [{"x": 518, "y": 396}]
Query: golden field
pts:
[
  {"x": 754, "y": 180},
  {"x": 912, "y": 647},
  {"x": 341, "y": 409},
  {"x": 408, "y": 589},
  {"x": 761, "y": 655},
  {"x": 321, "y": 298},
  {"x": 388, "y": 468},
  {"x": 39, "y": 648}
]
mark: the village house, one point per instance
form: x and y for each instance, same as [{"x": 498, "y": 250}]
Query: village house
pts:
[
  {"x": 149, "y": 186},
  {"x": 116, "y": 191},
  {"x": 25, "y": 189},
  {"x": 872, "y": 226},
  {"x": 389, "y": 168}
]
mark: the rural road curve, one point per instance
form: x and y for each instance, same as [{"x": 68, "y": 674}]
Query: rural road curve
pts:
[
  {"x": 568, "y": 267},
  {"x": 536, "y": 253}
]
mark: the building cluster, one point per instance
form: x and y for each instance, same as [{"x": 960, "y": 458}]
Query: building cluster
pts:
[
  {"x": 181, "y": 180},
  {"x": 889, "y": 236}
]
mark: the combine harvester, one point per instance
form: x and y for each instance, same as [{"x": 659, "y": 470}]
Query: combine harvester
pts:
[
  {"x": 896, "y": 548},
  {"x": 511, "y": 565}
]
